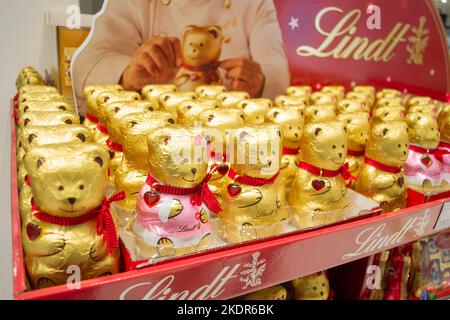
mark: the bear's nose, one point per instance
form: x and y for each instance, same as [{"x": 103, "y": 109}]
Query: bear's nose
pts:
[
  {"x": 296, "y": 135},
  {"x": 71, "y": 200},
  {"x": 340, "y": 155},
  {"x": 194, "y": 171},
  {"x": 269, "y": 162},
  {"x": 404, "y": 153}
]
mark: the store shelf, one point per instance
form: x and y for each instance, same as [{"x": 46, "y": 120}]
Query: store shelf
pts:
[{"x": 234, "y": 271}]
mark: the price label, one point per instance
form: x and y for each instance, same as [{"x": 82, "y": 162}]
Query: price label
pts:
[{"x": 443, "y": 221}]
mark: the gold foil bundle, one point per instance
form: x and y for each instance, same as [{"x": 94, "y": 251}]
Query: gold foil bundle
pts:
[
  {"x": 209, "y": 91},
  {"x": 152, "y": 92},
  {"x": 320, "y": 98},
  {"x": 169, "y": 101},
  {"x": 416, "y": 101},
  {"x": 429, "y": 109},
  {"x": 389, "y": 102},
  {"x": 366, "y": 97},
  {"x": 132, "y": 172},
  {"x": 337, "y": 91},
  {"x": 68, "y": 182},
  {"x": 29, "y": 76},
  {"x": 383, "y": 180},
  {"x": 91, "y": 93},
  {"x": 252, "y": 209},
  {"x": 46, "y": 118},
  {"x": 189, "y": 111},
  {"x": 291, "y": 120},
  {"x": 44, "y": 106},
  {"x": 299, "y": 91},
  {"x": 320, "y": 113},
  {"x": 254, "y": 110},
  {"x": 313, "y": 287},
  {"x": 285, "y": 101},
  {"x": 388, "y": 114},
  {"x": 38, "y": 96},
  {"x": 318, "y": 193},
  {"x": 230, "y": 99},
  {"x": 37, "y": 89},
  {"x": 352, "y": 105},
  {"x": 389, "y": 94}
]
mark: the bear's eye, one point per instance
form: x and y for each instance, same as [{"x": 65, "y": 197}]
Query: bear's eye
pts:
[
  {"x": 201, "y": 44},
  {"x": 343, "y": 146},
  {"x": 432, "y": 129},
  {"x": 62, "y": 108},
  {"x": 298, "y": 128},
  {"x": 334, "y": 146},
  {"x": 361, "y": 134},
  {"x": 61, "y": 188},
  {"x": 290, "y": 127},
  {"x": 399, "y": 145},
  {"x": 81, "y": 187},
  {"x": 116, "y": 109},
  {"x": 171, "y": 121},
  {"x": 406, "y": 145},
  {"x": 68, "y": 121}
]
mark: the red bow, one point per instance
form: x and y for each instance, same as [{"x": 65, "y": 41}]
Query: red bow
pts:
[
  {"x": 114, "y": 146},
  {"x": 355, "y": 153},
  {"x": 208, "y": 71},
  {"x": 382, "y": 167},
  {"x": 105, "y": 224},
  {"x": 91, "y": 118},
  {"x": 254, "y": 182},
  {"x": 290, "y": 151},
  {"x": 343, "y": 171},
  {"x": 102, "y": 128},
  {"x": 444, "y": 144},
  {"x": 438, "y": 153},
  {"x": 199, "y": 194},
  {"x": 16, "y": 97}
]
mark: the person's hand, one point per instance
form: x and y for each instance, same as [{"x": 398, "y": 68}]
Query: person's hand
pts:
[
  {"x": 245, "y": 75},
  {"x": 154, "y": 62}
]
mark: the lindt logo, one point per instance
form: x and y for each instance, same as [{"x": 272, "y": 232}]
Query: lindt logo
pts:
[{"x": 375, "y": 239}]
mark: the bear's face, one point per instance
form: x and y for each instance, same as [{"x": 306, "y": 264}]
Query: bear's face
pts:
[
  {"x": 134, "y": 129},
  {"x": 117, "y": 110},
  {"x": 258, "y": 151},
  {"x": 291, "y": 121},
  {"x": 358, "y": 129},
  {"x": 416, "y": 101},
  {"x": 231, "y": 98},
  {"x": 389, "y": 143},
  {"x": 324, "y": 145},
  {"x": 44, "y": 106},
  {"x": 44, "y": 135},
  {"x": 169, "y": 101},
  {"x": 209, "y": 91},
  {"x": 255, "y": 110},
  {"x": 388, "y": 94},
  {"x": 388, "y": 114},
  {"x": 153, "y": 91},
  {"x": 444, "y": 122},
  {"x": 352, "y": 105},
  {"x": 323, "y": 98},
  {"x": 39, "y": 96},
  {"x": 389, "y": 102},
  {"x": 37, "y": 88},
  {"x": 312, "y": 287},
  {"x": 92, "y": 92},
  {"x": 108, "y": 97},
  {"x": 189, "y": 111},
  {"x": 365, "y": 89},
  {"x": 299, "y": 91},
  {"x": 423, "y": 108},
  {"x": 320, "y": 113},
  {"x": 337, "y": 91},
  {"x": 202, "y": 45},
  {"x": 47, "y": 118},
  {"x": 285, "y": 101},
  {"x": 367, "y": 97},
  {"x": 423, "y": 130},
  {"x": 176, "y": 156},
  {"x": 68, "y": 180}
]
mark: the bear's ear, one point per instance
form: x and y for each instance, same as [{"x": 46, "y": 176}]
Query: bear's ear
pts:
[
  {"x": 385, "y": 131},
  {"x": 99, "y": 160},
  {"x": 215, "y": 31},
  {"x": 317, "y": 131},
  {"x": 189, "y": 29},
  {"x": 275, "y": 114},
  {"x": 82, "y": 137},
  {"x": 40, "y": 162},
  {"x": 31, "y": 137}
]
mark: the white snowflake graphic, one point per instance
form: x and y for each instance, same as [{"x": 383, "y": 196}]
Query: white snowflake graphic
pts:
[
  {"x": 251, "y": 276},
  {"x": 294, "y": 23},
  {"x": 421, "y": 224}
]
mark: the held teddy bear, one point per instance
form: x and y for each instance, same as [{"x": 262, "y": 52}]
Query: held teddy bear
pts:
[
  {"x": 318, "y": 192},
  {"x": 173, "y": 208},
  {"x": 153, "y": 91},
  {"x": 422, "y": 168},
  {"x": 71, "y": 222},
  {"x": 202, "y": 47},
  {"x": 132, "y": 172},
  {"x": 358, "y": 129},
  {"x": 254, "y": 201},
  {"x": 91, "y": 93},
  {"x": 320, "y": 113},
  {"x": 209, "y": 91},
  {"x": 313, "y": 287},
  {"x": 381, "y": 178},
  {"x": 254, "y": 110},
  {"x": 291, "y": 121}
]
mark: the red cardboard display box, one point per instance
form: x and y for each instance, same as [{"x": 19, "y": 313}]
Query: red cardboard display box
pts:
[{"x": 237, "y": 270}]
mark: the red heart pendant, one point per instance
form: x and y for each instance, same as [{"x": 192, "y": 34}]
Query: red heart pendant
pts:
[
  {"x": 318, "y": 184},
  {"x": 234, "y": 189},
  {"x": 151, "y": 198},
  {"x": 33, "y": 231},
  {"x": 223, "y": 169},
  {"x": 401, "y": 181},
  {"x": 426, "y": 161}
]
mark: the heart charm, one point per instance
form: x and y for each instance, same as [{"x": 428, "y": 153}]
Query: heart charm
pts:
[
  {"x": 401, "y": 181},
  {"x": 151, "y": 198},
  {"x": 234, "y": 189},
  {"x": 223, "y": 169},
  {"x": 426, "y": 161},
  {"x": 318, "y": 184},
  {"x": 33, "y": 231}
]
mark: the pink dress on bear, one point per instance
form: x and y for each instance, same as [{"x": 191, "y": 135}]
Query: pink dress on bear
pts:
[
  {"x": 444, "y": 150},
  {"x": 422, "y": 165}
]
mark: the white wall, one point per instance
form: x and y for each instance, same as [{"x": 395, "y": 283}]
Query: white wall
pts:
[{"x": 24, "y": 40}]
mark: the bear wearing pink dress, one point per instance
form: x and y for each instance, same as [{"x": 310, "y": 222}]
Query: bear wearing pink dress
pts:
[{"x": 174, "y": 204}]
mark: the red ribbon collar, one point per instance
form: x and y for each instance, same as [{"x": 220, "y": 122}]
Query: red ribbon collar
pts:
[
  {"x": 105, "y": 223},
  {"x": 207, "y": 71},
  {"x": 91, "y": 118},
  {"x": 382, "y": 167},
  {"x": 344, "y": 171},
  {"x": 444, "y": 144},
  {"x": 199, "y": 194},
  {"x": 355, "y": 153},
  {"x": 254, "y": 182},
  {"x": 438, "y": 153},
  {"x": 114, "y": 146},
  {"x": 290, "y": 151},
  {"x": 102, "y": 128},
  {"x": 205, "y": 68}
]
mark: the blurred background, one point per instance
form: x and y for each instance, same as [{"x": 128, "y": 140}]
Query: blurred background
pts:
[{"x": 31, "y": 34}]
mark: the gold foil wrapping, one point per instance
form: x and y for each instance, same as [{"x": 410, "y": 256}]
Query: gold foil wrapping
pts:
[
  {"x": 299, "y": 91},
  {"x": 272, "y": 293},
  {"x": 169, "y": 101},
  {"x": 313, "y": 287},
  {"x": 209, "y": 91},
  {"x": 254, "y": 110},
  {"x": 285, "y": 101},
  {"x": 231, "y": 98},
  {"x": 152, "y": 92},
  {"x": 320, "y": 113}
]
